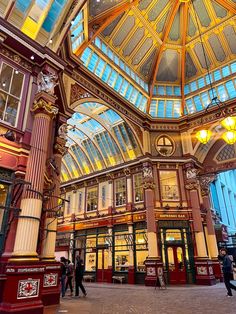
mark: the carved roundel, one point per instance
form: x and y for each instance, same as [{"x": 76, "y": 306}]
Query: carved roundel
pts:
[{"x": 165, "y": 146}]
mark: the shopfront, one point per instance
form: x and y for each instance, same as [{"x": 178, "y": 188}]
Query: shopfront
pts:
[{"x": 177, "y": 251}]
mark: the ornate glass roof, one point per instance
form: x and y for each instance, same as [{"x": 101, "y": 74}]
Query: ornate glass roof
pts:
[{"x": 98, "y": 138}]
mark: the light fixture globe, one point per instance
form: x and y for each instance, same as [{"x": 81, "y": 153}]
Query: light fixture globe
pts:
[
  {"x": 229, "y": 137},
  {"x": 229, "y": 123},
  {"x": 203, "y": 136}
]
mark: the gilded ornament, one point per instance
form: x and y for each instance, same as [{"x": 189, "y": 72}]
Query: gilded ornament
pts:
[{"x": 41, "y": 104}]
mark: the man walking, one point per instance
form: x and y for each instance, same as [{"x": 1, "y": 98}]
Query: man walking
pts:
[
  {"x": 63, "y": 276},
  {"x": 227, "y": 271},
  {"x": 79, "y": 273}
]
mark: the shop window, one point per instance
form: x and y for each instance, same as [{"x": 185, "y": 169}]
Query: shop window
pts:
[
  {"x": 92, "y": 199},
  {"x": 138, "y": 187},
  {"x": 11, "y": 82},
  {"x": 90, "y": 255},
  {"x": 121, "y": 251},
  {"x": 169, "y": 185},
  {"x": 165, "y": 146},
  {"x": 141, "y": 249},
  {"x": 3, "y": 198},
  {"x": 120, "y": 192},
  {"x": 173, "y": 235}
]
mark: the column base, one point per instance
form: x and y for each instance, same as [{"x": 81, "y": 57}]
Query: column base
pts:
[
  {"x": 204, "y": 272},
  {"x": 153, "y": 266},
  {"x": 217, "y": 270},
  {"x": 28, "y": 286},
  {"x": 131, "y": 275}
]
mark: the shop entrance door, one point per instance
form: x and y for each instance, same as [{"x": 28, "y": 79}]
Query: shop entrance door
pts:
[
  {"x": 176, "y": 264},
  {"x": 102, "y": 267}
]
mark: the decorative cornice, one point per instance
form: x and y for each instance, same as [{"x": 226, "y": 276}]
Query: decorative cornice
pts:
[
  {"x": 149, "y": 185},
  {"x": 205, "y": 181},
  {"x": 192, "y": 186},
  {"x": 16, "y": 58}
]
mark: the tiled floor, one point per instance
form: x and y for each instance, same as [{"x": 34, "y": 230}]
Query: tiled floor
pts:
[{"x": 125, "y": 299}]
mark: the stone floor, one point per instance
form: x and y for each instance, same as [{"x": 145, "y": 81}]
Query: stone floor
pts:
[{"x": 125, "y": 299}]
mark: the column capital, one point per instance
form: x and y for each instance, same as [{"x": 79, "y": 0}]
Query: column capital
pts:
[
  {"x": 44, "y": 105},
  {"x": 205, "y": 181},
  {"x": 59, "y": 146},
  {"x": 149, "y": 185},
  {"x": 192, "y": 186}
]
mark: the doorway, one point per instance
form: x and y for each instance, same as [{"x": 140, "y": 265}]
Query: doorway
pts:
[
  {"x": 176, "y": 264},
  {"x": 102, "y": 264}
]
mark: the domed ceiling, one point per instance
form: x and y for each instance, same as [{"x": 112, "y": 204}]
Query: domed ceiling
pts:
[{"x": 150, "y": 51}]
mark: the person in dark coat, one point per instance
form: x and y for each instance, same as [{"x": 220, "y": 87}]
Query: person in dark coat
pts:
[
  {"x": 79, "y": 273},
  {"x": 227, "y": 271},
  {"x": 63, "y": 276}
]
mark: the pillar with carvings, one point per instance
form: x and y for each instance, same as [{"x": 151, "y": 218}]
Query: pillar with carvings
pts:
[
  {"x": 131, "y": 269},
  {"x": 44, "y": 110},
  {"x": 153, "y": 261},
  {"x": 49, "y": 241},
  {"x": 203, "y": 265},
  {"x": 205, "y": 181}
]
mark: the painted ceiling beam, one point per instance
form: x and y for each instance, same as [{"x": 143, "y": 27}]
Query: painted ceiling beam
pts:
[
  {"x": 169, "y": 23},
  {"x": 183, "y": 57},
  {"x": 102, "y": 22},
  {"x": 227, "y": 5}
]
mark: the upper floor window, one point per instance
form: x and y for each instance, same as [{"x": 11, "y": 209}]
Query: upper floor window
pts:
[
  {"x": 92, "y": 199},
  {"x": 169, "y": 185},
  {"x": 11, "y": 82},
  {"x": 164, "y": 146},
  {"x": 120, "y": 191},
  {"x": 138, "y": 187}
]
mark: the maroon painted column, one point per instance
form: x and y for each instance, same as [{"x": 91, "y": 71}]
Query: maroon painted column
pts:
[
  {"x": 23, "y": 287},
  {"x": 153, "y": 262},
  {"x": 203, "y": 265},
  {"x": 205, "y": 181}
]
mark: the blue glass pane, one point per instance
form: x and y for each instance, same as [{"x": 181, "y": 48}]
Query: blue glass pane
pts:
[
  {"x": 153, "y": 107},
  {"x": 169, "y": 108},
  {"x": 161, "y": 109},
  {"x": 225, "y": 71},
  {"x": 222, "y": 93},
  {"x": 233, "y": 67},
  {"x": 143, "y": 105},
  {"x": 177, "y": 91},
  {"x": 205, "y": 99},
  {"x": 155, "y": 90},
  {"x": 161, "y": 90},
  {"x": 186, "y": 89},
  {"x": 129, "y": 92},
  {"x": 104, "y": 48},
  {"x": 98, "y": 42},
  {"x": 118, "y": 83},
  {"x": 124, "y": 87},
  {"x": 23, "y": 5},
  {"x": 93, "y": 62},
  {"x": 116, "y": 60},
  {"x": 198, "y": 103},
  {"x": 169, "y": 90},
  {"x": 112, "y": 78},
  {"x": 208, "y": 77},
  {"x": 134, "y": 96},
  {"x": 177, "y": 106},
  {"x": 217, "y": 75},
  {"x": 190, "y": 106},
  {"x": 106, "y": 73},
  {"x": 53, "y": 15},
  {"x": 86, "y": 55},
  {"x": 110, "y": 54},
  {"x": 230, "y": 89},
  {"x": 100, "y": 67},
  {"x": 138, "y": 100},
  {"x": 193, "y": 86},
  {"x": 201, "y": 82}
]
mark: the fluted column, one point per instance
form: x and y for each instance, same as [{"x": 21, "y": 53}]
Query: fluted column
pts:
[
  {"x": 205, "y": 182},
  {"x": 31, "y": 204},
  {"x": 50, "y": 229}
]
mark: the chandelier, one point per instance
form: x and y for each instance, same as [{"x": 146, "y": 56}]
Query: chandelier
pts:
[{"x": 229, "y": 122}]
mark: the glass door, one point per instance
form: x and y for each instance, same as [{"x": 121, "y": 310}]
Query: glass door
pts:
[
  {"x": 102, "y": 267},
  {"x": 176, "y": 264}
]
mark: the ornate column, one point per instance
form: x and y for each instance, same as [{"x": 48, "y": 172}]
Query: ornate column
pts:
[
  {"x": 129, "y": 189},
  {"x": 110, "y": 246},
  {"x": 205, "y": 181},
  {"x": 25, "y": 246},
  {"x": 153, "y": 260},
  {"x": 204, "y": 269},
  {"x": 131, "y": 272},
  {"x": 49, "y": 241}
]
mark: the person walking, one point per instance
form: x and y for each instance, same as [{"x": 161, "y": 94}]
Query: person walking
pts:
[
  {"x": 69, "y": 275},
  {"x": 227, "y": 271},
  {"x": 63, "y": 276},
  {"x": 79, "y": 273}
]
